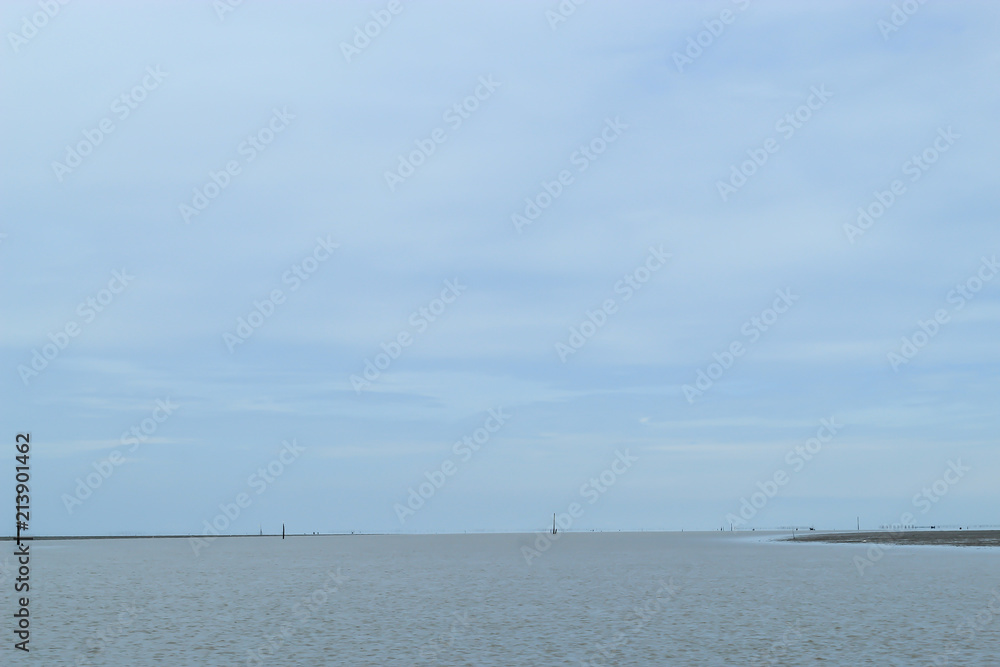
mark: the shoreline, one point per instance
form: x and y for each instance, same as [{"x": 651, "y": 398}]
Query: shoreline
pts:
[
  {"x": 962, "y": 538},
  {"x": 958, "y": 538}
]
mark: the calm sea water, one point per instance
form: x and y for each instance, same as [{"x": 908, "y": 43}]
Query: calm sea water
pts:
[{"x": 614, "y": 599}]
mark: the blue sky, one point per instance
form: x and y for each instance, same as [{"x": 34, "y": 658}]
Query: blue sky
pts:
[{"x": 641, "y": 139}]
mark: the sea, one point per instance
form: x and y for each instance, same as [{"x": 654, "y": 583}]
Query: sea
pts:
[{"x": 635, "y": 599}]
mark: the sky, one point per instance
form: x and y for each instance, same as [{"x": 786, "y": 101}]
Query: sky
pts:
[{"x": 446, "y": 267}]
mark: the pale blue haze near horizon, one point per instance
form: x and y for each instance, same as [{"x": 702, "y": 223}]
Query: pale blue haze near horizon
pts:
[{"x": 516, "y": 290}]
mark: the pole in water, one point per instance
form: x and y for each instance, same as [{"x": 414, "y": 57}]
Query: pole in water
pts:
[{"x": 282, "y": 531}]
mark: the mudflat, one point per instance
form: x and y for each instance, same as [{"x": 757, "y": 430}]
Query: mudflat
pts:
[{"x": 962, "y": 538}]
